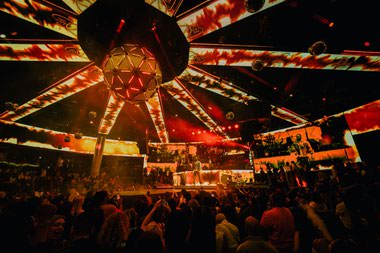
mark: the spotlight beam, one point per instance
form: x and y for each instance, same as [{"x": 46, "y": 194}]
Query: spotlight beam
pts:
[
  {"x": 205, "y": 80},
  {"x": 179, "y": 92}
]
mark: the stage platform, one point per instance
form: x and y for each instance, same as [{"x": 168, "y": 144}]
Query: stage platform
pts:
[{"x": 162, "y": 189}]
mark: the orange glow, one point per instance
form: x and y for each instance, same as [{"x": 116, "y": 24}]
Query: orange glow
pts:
[
  {"x": 42, "y": 138},
  {"x": 113, "y": 109},
  {"x": 39, "y": 14},
  {"x": 215, "y": 15},
  {"x": 277, "y": 59},
  {"x": 365, "y": 118},
  {"x": 155, "y": 110},
  {"x": 42, "y": 52},
  {"x": 79, "y": 6}
]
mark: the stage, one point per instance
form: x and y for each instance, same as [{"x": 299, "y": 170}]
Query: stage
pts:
[{"x": 162, "y": 189}]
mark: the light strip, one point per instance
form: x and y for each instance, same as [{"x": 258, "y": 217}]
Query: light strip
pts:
[
  {"x": 76, "y": 82},
  {"x": 178, "y": 91},
  {"x": 14, "y": 133},
  {"x": 42, "y": 52},
  {"x": 203, "y": 79},
  {"x": 155, "y": 109},
  {"x": 277, "y": 59},
  {"x": 79, "y": 6},
  {"x": 216, "y": 15},
  {"x": 43, "y": 15},
  {"x": 113, "y": 109},
  {"x": 170, "y": 7}
]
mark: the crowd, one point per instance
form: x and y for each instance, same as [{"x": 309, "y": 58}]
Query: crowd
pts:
[{"x": 339, "y": 214}]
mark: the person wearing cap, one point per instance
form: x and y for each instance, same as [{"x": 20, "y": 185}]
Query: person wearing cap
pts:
[{"x": 227, "y": 235}]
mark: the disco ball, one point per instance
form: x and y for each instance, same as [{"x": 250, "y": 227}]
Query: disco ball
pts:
[
  {"x": 230, "y": 116},
  {"x": 132, "y": 73},
  {"x": 78, "y": 135},
  {"x": 253, "y": 6},
  {"x": 92, "y": 114},
  {"x": 318, "y": 48},
  {"x": 257, "y": 65}
]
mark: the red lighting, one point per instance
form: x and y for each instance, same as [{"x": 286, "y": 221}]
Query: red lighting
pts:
[
  {"x": 324, "y": 99},
  {"x": 223, "y": 128},
  {"x": 331, "y": 24},
  {"x": 236, "y": 126},
  {"x": 121, "y": 24},
  {"x": 229, "y": 127},
  {"x": 192, "y": 133},
  {"x": 367, "y": 44}
]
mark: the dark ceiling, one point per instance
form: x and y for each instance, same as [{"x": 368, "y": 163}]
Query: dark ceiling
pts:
[{"x": 290, "y": 26}]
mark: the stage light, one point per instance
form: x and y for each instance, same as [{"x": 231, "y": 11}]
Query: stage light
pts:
[
  {"x": 78, "y": 135},
  {"x": 318, "y": 48},
  {"x": 199, "y": 132},
  {"x": 366, "y": 43},
  {"x": 230, "y": 115},
  {"x": 11, "y": 106},
  {"x": 253, "y": 6},
  {"x": 257, "y": 65},
  {"x": 131, "y": 73},
  {"x": 3, "y": 36},
  {"x": 92, "y": 115},
  {"x": 193, "y": 133},
  {"x": 229, "y": 127},
  {"x": 236, "y": 126},
  {"x": 223, "y": 128}
]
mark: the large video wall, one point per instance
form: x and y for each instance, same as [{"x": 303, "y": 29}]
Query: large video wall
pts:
[{"x": 317, "y": 143}]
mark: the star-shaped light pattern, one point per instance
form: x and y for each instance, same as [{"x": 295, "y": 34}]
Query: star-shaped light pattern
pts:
[{"x": 131, "y": 72}]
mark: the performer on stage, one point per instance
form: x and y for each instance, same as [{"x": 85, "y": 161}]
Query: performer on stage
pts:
[{"x": 197, "y": 168}]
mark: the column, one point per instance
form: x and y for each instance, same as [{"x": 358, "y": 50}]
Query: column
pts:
[{"x": 98, "y": 155}]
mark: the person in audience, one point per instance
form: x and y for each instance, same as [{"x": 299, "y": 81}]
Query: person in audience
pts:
[
  {"x": 278, "y": 223},
  {"x": 254, "y": 242},
  {"x": 227, "y": 235},
  {"x": 114, "y": 232}
]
